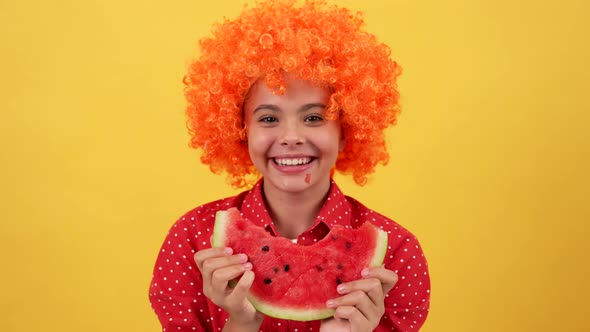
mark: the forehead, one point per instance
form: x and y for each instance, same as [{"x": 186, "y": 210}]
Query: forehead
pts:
[{"x": 296, "y": 92}]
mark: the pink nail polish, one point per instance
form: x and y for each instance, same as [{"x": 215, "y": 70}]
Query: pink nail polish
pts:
[
  {"x": 365, "y": 273},
  {"x": 330, "y": 303}
]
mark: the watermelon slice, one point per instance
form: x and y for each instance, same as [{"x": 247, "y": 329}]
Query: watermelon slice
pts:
[{"x": 294, "y": 281}]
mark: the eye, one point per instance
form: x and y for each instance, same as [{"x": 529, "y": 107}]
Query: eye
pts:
[
  {"x": 267, "y": 119},
  {"x": 314, "y": 118}
]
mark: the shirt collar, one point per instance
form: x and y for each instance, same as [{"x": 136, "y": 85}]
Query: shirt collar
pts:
[
  {"x": 336, "y": 209},
  {"x": 254, "y": 207}
]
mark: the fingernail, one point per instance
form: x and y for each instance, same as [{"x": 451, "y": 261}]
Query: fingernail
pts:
[
  {"x": 247, "y": 266},
  {"x": 365, "y": 273},
  {"x": 341, "y": 289},
  {"x": 243, "y": 258},
  {"x": 330, "y": 303},
  {"x": 228, "y": 250}
]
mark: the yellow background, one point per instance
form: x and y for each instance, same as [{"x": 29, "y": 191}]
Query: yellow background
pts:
[{"x": 489, "y": 160}]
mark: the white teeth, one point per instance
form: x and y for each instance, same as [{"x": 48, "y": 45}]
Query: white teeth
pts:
[{"x": 292, "y": 162}]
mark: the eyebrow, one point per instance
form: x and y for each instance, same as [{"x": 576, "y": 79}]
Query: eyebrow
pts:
[{"x": 275, "y": 108}]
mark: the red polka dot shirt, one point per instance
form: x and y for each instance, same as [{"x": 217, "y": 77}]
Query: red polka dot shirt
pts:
[{"x": 176, "y": 292}]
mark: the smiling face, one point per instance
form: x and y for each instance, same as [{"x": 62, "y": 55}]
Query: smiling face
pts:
[{"x": 290, "y": 142}]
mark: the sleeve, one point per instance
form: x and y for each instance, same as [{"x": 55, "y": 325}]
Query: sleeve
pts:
[
  {"x": 407, "y": 304},
  {"x": 176, "y": 293}
]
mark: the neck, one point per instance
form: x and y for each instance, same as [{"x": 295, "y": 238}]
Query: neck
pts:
[{"x": 293, "y": 213}]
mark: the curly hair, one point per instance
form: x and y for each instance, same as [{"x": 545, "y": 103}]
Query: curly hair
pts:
[{"x": 321, "y": 43}]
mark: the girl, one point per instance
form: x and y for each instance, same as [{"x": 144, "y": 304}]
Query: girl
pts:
[{"x": 289, "y": 94}]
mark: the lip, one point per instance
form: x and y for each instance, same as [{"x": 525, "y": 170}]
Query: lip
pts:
[{"x": 292, "y": 169}]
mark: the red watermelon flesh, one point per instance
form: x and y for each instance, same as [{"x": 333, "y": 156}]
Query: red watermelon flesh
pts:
[{"x": 294, "y": 281}]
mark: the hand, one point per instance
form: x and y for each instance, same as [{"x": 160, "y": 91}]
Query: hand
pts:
[
  {"x": 218, "y": 267},
  {"x": 361, "y": 305}
]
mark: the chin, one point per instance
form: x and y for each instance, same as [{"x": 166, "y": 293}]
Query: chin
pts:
[
  {"x": 292, "y": 184},
  {"x": 295, "y": 183}
]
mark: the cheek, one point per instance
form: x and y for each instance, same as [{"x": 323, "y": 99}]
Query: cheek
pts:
[
  {"x": 258, "y": 143},
  {"x": 332, "y": 140}
]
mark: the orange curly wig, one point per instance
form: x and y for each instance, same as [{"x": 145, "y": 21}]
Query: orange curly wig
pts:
[{"x": 315, "y": 41}]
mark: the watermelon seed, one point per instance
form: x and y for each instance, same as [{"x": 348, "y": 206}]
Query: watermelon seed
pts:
[
  {"x": 339, "y": 266},
  {"x": 348, "y": 245},
  {"x": 320, "y": 269},
  {"x": 287, "y": 268},
  {"x": 338, "y": 281},
  {"x": 276, "y": 269},
  {"x": 267, "y": 281},
  {"x": 265, "y": 248}
]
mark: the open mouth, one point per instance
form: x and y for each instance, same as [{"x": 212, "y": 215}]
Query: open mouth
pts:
[{"x": 292, "y": 161}]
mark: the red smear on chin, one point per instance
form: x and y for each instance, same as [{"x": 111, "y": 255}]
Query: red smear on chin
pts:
[{"x": 308, "y": 178}]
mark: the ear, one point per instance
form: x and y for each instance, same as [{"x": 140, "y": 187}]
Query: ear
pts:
[{"x": 244, "y": 134}]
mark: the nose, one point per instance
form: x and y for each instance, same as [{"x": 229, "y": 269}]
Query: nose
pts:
[{"x": 292, "y": 134}]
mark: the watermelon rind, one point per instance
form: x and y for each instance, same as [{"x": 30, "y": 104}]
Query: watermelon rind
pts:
[
  {"x": 381, "y": 250},
  {"x": 219, "y": 234},
  {"x": 289, "y": 313},
  {"x": 223, "y": 220}
]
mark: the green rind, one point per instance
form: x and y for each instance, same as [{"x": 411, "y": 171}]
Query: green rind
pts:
[
  {"x": 381, "y": 250},
  {"x": 219, "y": 229},
  {"x": 291, "y": 313}
]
